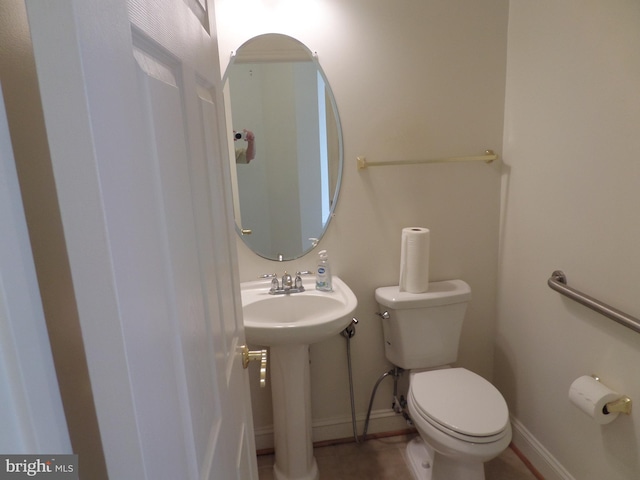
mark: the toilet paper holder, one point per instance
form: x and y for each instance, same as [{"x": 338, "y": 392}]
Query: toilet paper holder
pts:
[{"x": 621, "y": 405}]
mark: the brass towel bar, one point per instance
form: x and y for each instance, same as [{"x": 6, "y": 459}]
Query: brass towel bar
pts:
[{"x": 488, "y": 157}]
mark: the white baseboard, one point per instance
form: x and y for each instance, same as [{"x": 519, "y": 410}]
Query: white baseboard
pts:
[
  {"x": 537, "y": 454},
  {"x": 340, "y": 427}
]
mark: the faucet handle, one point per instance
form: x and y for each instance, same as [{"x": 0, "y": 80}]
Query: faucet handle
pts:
[{"x": 298, "y": 281}]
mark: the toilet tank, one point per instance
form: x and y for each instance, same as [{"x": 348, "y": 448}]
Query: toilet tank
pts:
[{"x": 423, "y": 329}]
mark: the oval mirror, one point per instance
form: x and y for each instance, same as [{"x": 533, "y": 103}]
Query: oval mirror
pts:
[{"x": 287, "y": 146}]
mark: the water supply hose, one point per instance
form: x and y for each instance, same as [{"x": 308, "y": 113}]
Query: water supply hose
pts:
[
  {"x": 348, "y": 333},
  {"x": 395, "y": 372}
]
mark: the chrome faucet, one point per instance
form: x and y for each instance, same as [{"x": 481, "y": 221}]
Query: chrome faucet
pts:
[
  {"x": 287, "y": 281},
  {"x": 289, "y": 284}
]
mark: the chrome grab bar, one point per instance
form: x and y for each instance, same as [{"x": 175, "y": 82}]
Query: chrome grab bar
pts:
[{"x": 558, "y": 282}]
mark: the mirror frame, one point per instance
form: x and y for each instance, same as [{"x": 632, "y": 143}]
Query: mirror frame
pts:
[{"x": 270, "y": 56}]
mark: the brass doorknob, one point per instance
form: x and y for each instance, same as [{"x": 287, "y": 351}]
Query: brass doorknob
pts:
[{"x": 254, "y": 356}]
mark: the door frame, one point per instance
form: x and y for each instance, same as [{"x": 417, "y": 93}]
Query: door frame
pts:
[{"x": 31, "y": 418}]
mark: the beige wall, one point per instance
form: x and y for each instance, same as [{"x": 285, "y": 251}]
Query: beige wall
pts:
[
  {"x": 571, "y": 195},
  {"x": 412, "y": 80}
]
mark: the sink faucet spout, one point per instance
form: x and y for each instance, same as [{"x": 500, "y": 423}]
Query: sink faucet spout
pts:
[{"x": 287, "y": 281}]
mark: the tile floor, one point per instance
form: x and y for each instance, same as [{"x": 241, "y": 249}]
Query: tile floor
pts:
[{"x": 383, "y": 459}]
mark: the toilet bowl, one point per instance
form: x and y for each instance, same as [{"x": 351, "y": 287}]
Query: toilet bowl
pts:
[{"x": 462, "y": 419}]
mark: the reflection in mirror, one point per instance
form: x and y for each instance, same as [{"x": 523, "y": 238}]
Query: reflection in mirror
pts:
[{"x": 285, "y": 195}]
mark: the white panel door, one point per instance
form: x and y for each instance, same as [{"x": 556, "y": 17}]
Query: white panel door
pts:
[{"x": 132, "y": 101}]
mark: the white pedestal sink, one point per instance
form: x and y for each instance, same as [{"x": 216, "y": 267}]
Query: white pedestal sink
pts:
[{"x": 288, "y": 324}]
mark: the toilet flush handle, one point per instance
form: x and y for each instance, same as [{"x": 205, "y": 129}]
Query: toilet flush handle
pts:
[{"x": 384, "y": 315}]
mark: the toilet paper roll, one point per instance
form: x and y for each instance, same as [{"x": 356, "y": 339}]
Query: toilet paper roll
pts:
[
  {"x": 414, "y": 260},
  {"x": 590, "y": 396}
]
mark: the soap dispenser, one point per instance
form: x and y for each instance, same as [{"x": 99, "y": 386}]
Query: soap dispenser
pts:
[{"x": 323, "y": 273}]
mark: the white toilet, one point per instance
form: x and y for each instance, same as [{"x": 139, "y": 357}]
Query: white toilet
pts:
[{"x": 462, "y": 419}]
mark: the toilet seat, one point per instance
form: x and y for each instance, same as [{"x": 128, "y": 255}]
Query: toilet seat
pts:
[{"x": 460, "y": 403}]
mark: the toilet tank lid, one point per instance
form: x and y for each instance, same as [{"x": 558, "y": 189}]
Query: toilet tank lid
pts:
[{"x": 439, "y": 293}]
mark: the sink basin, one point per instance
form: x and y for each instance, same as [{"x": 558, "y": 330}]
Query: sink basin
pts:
[{"x": 297, "y": 318}]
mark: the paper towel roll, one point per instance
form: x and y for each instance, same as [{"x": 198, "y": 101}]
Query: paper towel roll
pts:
[
  {"x": 414, "y": 260},
  {"x": 590, "y": 396}
]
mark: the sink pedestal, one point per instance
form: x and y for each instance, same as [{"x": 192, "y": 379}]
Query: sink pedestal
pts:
[
  {"x": 288, "y": 324},
  {"x": 291, "y": 394}
]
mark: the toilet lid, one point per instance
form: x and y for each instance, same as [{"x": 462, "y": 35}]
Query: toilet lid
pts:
[{"x": 461, "y": 401}]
